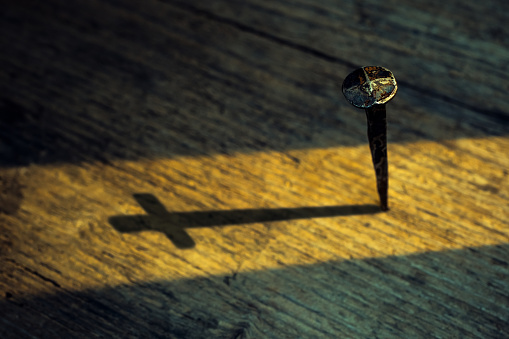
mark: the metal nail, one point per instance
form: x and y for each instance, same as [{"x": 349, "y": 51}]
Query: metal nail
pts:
[{"x": 371, "y": 87}]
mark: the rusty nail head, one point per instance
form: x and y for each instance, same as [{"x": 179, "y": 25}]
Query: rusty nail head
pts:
[{"x": 370, "y": 85}]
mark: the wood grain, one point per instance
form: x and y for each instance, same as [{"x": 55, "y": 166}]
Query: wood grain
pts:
[{"x": 191, "y": 170}]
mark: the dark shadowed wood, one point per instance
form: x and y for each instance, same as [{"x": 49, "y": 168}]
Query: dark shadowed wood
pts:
[{"x": 191, "y": 169}]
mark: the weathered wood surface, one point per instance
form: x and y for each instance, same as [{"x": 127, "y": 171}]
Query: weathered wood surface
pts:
[{"x": 191, "y": 170}]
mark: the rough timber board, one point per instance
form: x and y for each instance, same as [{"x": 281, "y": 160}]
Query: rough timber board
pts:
[{"x": 232, "y": 113}]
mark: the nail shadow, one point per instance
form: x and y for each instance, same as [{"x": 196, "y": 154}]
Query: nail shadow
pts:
[{"x": 173, "y": 224}]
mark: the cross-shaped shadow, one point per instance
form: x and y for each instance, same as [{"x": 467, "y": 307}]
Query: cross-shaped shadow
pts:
[{"x": 173, "y": 224}]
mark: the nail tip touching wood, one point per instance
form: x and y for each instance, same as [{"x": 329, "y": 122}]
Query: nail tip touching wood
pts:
[{"x": 370, "y": 87}]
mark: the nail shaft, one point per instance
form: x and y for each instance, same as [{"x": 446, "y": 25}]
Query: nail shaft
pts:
[{"x": 377, "y": 136}]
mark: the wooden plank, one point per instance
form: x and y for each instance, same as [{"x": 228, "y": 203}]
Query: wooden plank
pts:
[{"x": 191, "y": 170}]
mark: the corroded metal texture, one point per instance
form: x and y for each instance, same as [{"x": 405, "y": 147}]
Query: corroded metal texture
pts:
[
  {"x": 377, "y": 136},
  {"x": 370, "y": 85}
]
